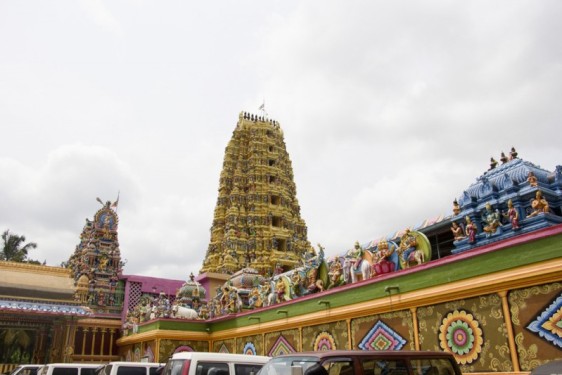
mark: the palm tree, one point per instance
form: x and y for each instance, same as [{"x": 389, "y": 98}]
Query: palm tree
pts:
[{"x": 14, "y": 249}]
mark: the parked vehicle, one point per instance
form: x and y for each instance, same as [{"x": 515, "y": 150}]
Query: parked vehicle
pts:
[
  {"x": 550, "y": 368},
  {"x": 130, "y": 368},
  {"x": 26, "y": 370},
  {"x": 360, "y": 362},
  {"x": 69, "y": 369},
  {"x": 199, "y": 363}
]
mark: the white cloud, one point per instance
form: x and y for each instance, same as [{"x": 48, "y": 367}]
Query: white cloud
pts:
[{"x": 102, "y": 16}]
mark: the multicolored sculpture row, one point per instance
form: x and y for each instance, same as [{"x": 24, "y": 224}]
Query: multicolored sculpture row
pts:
[{"x": 248, "y": 289}]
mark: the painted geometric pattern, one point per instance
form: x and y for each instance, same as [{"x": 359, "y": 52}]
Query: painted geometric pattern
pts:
[
  {"x": 324, "y": 341},
  {"x": 382, "y": 337},
  {"x": 223, "y": 349},
  {"x": 149, "y": 354},
  {"x": 460, "y": 334},
  {"x": 249, "y": 349},
  {"x": 183, "y": 348},
  {"x": 281, "y": 346},
  {"x": 548, "y": 324}
]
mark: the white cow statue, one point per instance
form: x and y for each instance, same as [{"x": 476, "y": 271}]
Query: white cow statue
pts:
[{"x": 180, "y": 312}]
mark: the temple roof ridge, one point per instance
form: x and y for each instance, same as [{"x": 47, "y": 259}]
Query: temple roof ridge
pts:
[{"x": 503, "y": 177}]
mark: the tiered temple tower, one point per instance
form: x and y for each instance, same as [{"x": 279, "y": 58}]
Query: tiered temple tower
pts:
[
  {"x": 257, "y": 222},
  {"x": 96, "y": 263}
]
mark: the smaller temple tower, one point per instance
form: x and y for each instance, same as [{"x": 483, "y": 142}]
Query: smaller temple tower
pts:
[{"x": 96, "y": 263}]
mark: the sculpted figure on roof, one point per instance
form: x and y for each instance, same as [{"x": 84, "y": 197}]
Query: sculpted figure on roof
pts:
[
  {"x": 539, "y": 205},
  {"x": 491, "y": 220}
]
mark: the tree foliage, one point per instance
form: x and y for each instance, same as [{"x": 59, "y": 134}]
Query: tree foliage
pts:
[{"x": 15, "y": 249}]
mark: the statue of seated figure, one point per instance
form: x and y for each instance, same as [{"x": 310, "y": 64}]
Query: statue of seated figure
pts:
[
  {"x": 491, "y": 220},
  {"x": 539, "y": 205}
]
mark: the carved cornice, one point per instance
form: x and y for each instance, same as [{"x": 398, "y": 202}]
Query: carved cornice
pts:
[
  {"x": 104, "y": 323},
  {"x": 162, "y": 334},
  {"x": 35, "y": 268}
]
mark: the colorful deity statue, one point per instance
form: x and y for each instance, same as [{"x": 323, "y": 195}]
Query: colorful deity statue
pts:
[
  {"x": 532, "y": 179},
  {"x": 385, "y": 259},
  {"x": 512, "y": 215},
  {"x": 458, "y": 233},
  {"x": 503, "y": 158},
  {"x": 296, "y": 284},
  {"x": 407, "y": 245},
  {"x": 491, "y": 220},
  {"x": 281, "y": 289},
  {"x": 314, "y": 284},
  {"x": 470, "y": 230},
  {"x": 356, "y": 255},
  {"x": 456, "y": 207},
  {"x": 161, "y": 306},
  {"x": 512, "y": 154},
  {"x": 255, "y": 299},
  {"x": 335, "y": 273},
  {"x": 539, "y": 205}
]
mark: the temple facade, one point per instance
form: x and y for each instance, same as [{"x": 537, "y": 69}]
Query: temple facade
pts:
[{"x": 483, "y": 282}]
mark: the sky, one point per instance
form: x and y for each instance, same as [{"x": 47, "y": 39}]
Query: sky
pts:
[{"x": 390, "y": 110}]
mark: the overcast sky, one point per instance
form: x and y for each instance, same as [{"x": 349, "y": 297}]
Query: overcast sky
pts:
[{"x": 390, "y": 109}]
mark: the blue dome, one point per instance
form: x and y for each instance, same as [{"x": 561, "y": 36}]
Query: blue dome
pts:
[{"x": 497, "y": 180}]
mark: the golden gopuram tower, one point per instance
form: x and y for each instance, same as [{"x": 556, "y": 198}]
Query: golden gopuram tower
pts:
[{"x": 257, "y": 222}]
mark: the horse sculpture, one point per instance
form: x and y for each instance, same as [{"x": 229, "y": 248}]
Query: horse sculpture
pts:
[
  {"x": 416, "y": 256},
  {"x": 353, "y": 273}
]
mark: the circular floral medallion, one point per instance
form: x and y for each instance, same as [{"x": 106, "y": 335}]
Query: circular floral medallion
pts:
[
  {"x": 324, "y": 341},
  {"x": 460, "y": 334}
]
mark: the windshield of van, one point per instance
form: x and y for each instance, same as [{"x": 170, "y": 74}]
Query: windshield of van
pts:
[
  {"x": 26, "y": 370},
  {"x": 173, "y": 367},
  {"x": 16, "y": 369},
  {"x": 131, "y": 370},
  {"x": 88, "y": 370},
  {"x": 247, "y": 368},
  {"x": 432, "y": 366},
  {"x": 282, "y": 365},
  {"x": 104, "y": 369}
]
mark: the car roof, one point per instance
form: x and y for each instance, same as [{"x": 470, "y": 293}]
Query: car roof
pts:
[
  {"x": 92, "y": 365},
  {"x": 553, "y": 367},
  {"x": 136, "y": 363},
  {"x": 367, "y": 353},
  {"x": 221, "y": 357}
]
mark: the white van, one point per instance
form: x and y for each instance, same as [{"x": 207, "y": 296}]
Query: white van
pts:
[
  {"x": 198, "y": 363},
  {"x": 69, "y": 369},
  {"x": 131, "y": 368},
  {"x": 26, "y": 370}
]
